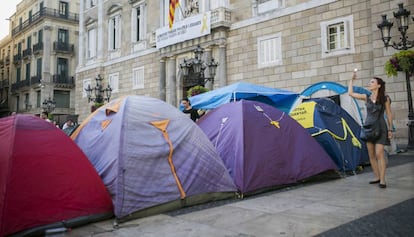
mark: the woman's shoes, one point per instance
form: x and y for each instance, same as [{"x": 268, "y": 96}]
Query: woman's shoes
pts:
[
  {"x": 382, "y": 185},
  {"x": 374, "y": 182}
]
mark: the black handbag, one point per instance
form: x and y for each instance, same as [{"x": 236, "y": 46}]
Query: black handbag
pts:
[{"x": 372, "y": 131}]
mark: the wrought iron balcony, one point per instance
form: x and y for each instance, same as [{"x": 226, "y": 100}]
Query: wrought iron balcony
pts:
[
  {"x": 63, "y": 81},
  {"x": 7, "y": 60},
  {"x": 27, "y": 53},
  {"x": 17, "y": 58},
  {"x": 4, "y": 83},
  {"x": 35, "y": 80},
  {"x": 44, "y": 13},
  {"x": 63, "y": 47},
  {"x": 19, "y": 85},
  {"x": 37, "y": 48}
]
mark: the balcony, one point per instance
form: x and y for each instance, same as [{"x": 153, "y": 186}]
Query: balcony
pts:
[
  {"x": 35, "y": 81},
  {"x": 63, "y": 81},
  {"x": 37, "y": 48},
  {"x": 60, "y": 47},
  {"x": 17, "y": 58},
  {"x": 7, "y": 60},
  {"x": 42, "y": 14},
  {"x": 4, "y": 84},
  {"x": 27, "y": 53},
  {"x": 20, "y": 85},
  {"x": 220, "y": 17}
]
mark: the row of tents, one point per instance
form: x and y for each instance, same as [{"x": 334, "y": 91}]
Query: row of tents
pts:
[{"x": 138, "y": 156}]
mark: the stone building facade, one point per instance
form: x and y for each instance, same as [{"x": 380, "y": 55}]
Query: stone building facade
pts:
[
  {"x": 39, "y": 57},
  {"x": 276, "y": 43}
]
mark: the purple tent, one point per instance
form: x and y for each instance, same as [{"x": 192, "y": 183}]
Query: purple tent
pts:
[
  {"x": 152, "y": 157},
  {"x": 263, "y": 147}
]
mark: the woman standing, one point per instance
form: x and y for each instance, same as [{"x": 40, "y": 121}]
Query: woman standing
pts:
[{"x": 377, "y": 103}]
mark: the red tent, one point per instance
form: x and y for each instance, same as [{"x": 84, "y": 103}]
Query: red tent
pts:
[{"x": 46, "y": 181}]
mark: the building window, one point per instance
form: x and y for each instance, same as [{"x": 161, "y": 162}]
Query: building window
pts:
[
  {"x": 62, "y": 98},
  {"x": 86, "y": 83},
  {"x": 38, "y": 99},
  {"x": 28, "y": 72},
  {"x": 178, "y": 14},
  {"x": 26, "y": 101},
  {"x": 337, "y": 37},
  {"x": 18, "y": 74},
  {"x": 63, "y": 37},
  {"x": 91, "y": 47},
  {"x": 62, "y": 68},
  {"x": 39, "y": 68},
  {"x": 113, "y": 80},
  {"x": 138, "y": 78},
  {"x": 264, "y": 6},
  {"x": 40, "y": 36},
  {"x": 138, "y": 23},
  {"x": 91, "y": 3},
  {"x": 269, "y": 50},
  {"x": 114, "y": 32},
  {"x": 63, "y": 8}
]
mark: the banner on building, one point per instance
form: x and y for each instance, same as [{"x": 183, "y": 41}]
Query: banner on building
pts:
[{"x": 186, "y": 29}]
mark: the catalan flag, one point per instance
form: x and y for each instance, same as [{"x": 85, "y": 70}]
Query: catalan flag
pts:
[{"x": 173, "y": 5}]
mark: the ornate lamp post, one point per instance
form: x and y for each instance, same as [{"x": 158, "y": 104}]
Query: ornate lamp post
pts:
[
  {"x": 402, "y": 17},
  {"x": 194, "y": 68},
  {"x": 101, "y": 94},
  {"x": 49, "y": 105}
]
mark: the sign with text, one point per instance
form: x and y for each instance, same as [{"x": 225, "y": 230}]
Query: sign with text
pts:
[
  {"x": 304, "y": 114},
  {"x": 186, "y": 29}
]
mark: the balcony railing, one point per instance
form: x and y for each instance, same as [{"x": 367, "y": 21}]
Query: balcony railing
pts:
[
  {"x": 19, "y": 85},
  {"x": 7, "y": 60},
  {"x": 220, "y": 17},
  {"x": 43, "y": 13},
  {"x": 63, "y": 81},
  {"x": 35, "y": 80},
  {"x": 37, "y": 48},
  {"x": 17, "y": 58},
  {"x": 27, "y": 53},
  {"x": 63, "y": 47},
  {"x": 4, "y": 84}
]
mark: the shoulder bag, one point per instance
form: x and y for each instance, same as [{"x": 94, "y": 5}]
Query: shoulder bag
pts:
[{"x": 372, "y": 131}]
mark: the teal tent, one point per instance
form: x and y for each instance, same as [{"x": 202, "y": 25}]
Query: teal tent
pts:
[{"x": 278, "y": 98}]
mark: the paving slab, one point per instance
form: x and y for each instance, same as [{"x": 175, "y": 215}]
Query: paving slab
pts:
[{"x": 328, "y": 208}]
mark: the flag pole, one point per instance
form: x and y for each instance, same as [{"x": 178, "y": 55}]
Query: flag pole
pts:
[{"x": 181, "y": 10}]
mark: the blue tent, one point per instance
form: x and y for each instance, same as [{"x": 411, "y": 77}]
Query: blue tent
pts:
[
  {"x": 339, "y": 93},
  {"x": 281, "y": 99},
  {"x": 335, "y": 130}
]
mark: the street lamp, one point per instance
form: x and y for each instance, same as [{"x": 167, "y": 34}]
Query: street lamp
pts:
[
  {"x": 402, "y": 17},
  {"x": 193, "y": 68},
  {"x": 49, "y": 105},
  {"x": 101, "y": 94}
]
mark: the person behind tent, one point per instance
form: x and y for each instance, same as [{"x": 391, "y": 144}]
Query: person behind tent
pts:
[
  {"x": 190, "y": 111},
  {"x": 377, "y": 103},
  {"x": 69, "y": 123},
  {"x": 45, "y": 115}
]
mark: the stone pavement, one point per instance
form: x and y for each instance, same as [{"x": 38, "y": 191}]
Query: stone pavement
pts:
[{"x": 340, "y": 207}]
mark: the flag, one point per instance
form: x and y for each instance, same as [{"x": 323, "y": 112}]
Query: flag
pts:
[{"x": 173, "y": 5}]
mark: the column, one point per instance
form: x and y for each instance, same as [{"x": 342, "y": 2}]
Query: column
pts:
[
  {"x": 101, "y": 36},
  {"x": 172, "y": 85},
  {"x": 162, "y": 85},
  {"x": 207, "y": 59},
  {"x": 81, "y": 53},
  {"x": 222, "y": 67}
]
